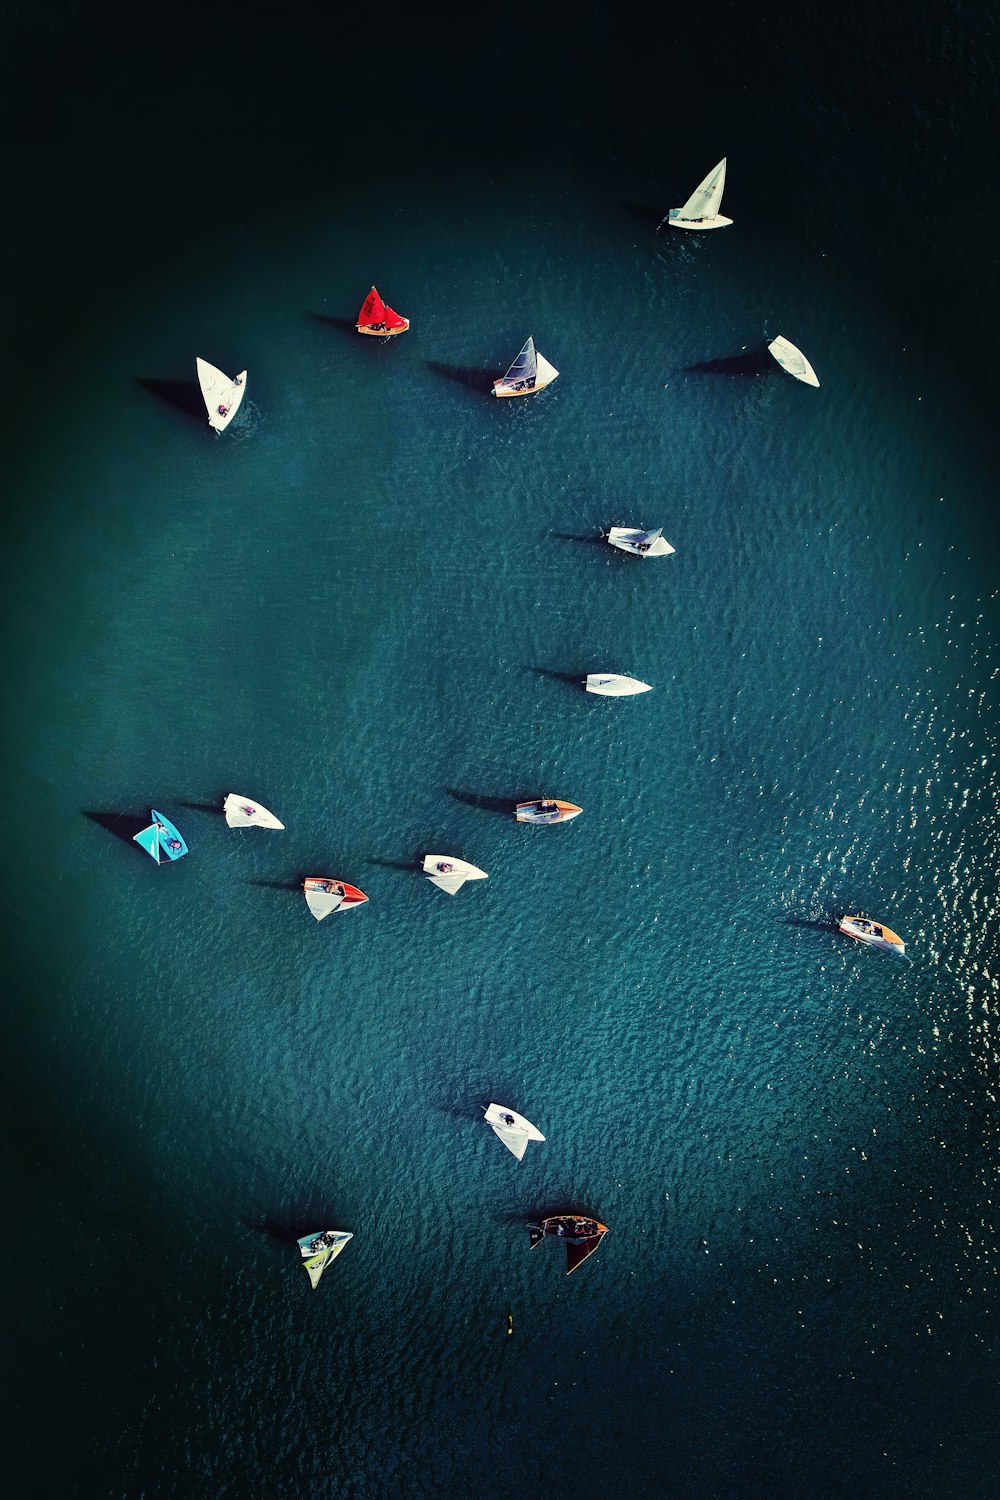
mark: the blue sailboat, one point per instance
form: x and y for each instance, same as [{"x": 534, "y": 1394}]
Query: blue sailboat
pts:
[{"x": 161, "y": 839}]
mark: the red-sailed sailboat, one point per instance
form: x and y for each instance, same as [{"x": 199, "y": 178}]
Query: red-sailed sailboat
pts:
[
  {"x": 580, "y": 1234},
  {"x": 377, "y": 318}
]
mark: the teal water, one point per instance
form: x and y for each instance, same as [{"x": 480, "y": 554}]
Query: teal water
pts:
[{"x": 361, "y": 605}]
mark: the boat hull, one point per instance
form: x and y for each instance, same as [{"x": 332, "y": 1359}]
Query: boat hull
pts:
[
  {"x": 675, "y": 221},
  {"x": 618, "y": 537},
  {"x": 450, "y": 874},
  {"x": 330, "y": 895},
  {"x": 875, "y": 934},
  {"x": 609, "y": 685},
  {"x": 553, "y": 812},
  {"x": 533, "y": 390},
  {"x": 384, "y": 333},
  {"x": 793, "y": 361}
]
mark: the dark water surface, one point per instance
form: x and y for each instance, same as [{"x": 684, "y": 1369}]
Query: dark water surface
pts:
[{"x": 361, "y": 605}]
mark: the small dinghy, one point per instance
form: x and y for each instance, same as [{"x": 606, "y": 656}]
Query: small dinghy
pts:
[
  {"x": 325, "y": 895},
  {"x": 875, "y": 933},
  {"x": 580, "y": 1235},
  {"x": 222, "y": 393},
  {"x": 546, "y": 810},
  {"x": 793, "y": 360},
  {"x": 530, "y": 372},
  {"x": 449, "y": 873},
  {"x": 513, "y": 1129},
  {"x": 319, "y": 1249},
  {"x": 378, "y": 318},
  {"x": 640, "y": 543},
  {"x": 611, "y": 685},
  {"x": 701, "y": 211},
  {"x": 242, "y": 813},
  {"x": 161, "y": 840}
]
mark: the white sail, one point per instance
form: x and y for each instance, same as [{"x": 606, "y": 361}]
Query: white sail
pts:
[
  {"x": 324, "y": 897},
  {"x": 243, "y": 812},
  {"x": 320, "y": 1250},
  {"x": 513, "y": 1129},
  {"x": 640, "y": 543},
  {"x": 613, "y": 685},
  {"x": 793, "y": 360},
  {"x": 704, "y": 201},
  {"x": 222, "y": 394},
  {"x": 544, "y": 372},
  {"x": 449, "y": 873}
]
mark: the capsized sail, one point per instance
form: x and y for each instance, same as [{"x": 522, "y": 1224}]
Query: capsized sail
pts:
[
  {"x": 450, "y": 874},
  {"x": 319, "y": 1249},
  {"x": 222, "y": 394},
  {"x": 242, "y": 812},
  {"x": 325, "y": 895},
  {"x": 705, "y": 200},
  {"x": 513, "y": 1129}
]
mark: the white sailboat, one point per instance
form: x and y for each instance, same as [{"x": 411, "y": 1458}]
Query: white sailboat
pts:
[
  {"x": 449, "y": 873},
  {"x": 701, "y": 211},
  {"x": 222, "y": 393},
  {"x": 640, "y": 543},
  {"x": 320, "y": 1249},
  {"x": 241, "y": 812},
  {"x": 793, "y": 360},
  {"x": 612, "y": 685},
  {"x": 530, "y": 373},
  {"x": 513, "y": 1129},
  {"x": 326, "y": 894}
]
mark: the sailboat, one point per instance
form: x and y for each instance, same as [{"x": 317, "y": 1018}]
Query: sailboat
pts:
[
  {"x": 530, "y": 372},
  {"x": 580, "y": 1234},
  {"x": 793, "y": 360},
  {"x": 242, "y": 813},
  {"x": 546, "y": 810},
  {"x": 222, "y": 393},
  {"x": 319, "y": 1249},
  {"x": 701, "y": 211},
  {"x": 640, "y": 543},
  {"x": 513, "y": 1129},
  {"x": 611, "y": 685},
  {"x": 449, "y": 873},
  {"x": 161, "y": 840},
  {"x": 325, "y": 895},
  {"x": 378, "y": 318},
  {"x": 875, "y": 933}
]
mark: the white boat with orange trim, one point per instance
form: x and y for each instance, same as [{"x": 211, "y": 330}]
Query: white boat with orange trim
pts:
[
  {"x": 612, "y": 685},
  {"x": 874, "y": 933},
  {"x": 530, "y": 373},
  {"x": 640, "y": 543},
  {"x": 325, "y": 895},
  {"x": 513, "y": 1129},
  {"x": 450, "y": 874},
  {"x": 546, "y": 810},
  {"x": 379, "y": 319},
  {"x": 242, "y": 813},
  {"x": 580, "y": 1234},
  {"x": 701, "y": 211}
]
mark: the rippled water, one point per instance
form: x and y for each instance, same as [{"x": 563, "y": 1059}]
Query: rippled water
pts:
[{"x": 370, "y": 605}]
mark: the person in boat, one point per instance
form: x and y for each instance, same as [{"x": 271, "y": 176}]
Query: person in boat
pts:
[
  {"x": 642, "y": 546},
  {"x": 249, "y": 811},
  {"x": 507, "y": 1119},
  {"x": 444, "y": 867},
  {"x": 222, "y": 410},
  {"x": 173, "y": 843}
]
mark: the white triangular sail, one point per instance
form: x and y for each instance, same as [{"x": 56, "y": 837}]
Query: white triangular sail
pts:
[
  {"x": 222, "y": 394},
  {"x": 614, "y": 685},
  {"x": 793, "y": 360},
  {"x": 243, "y": 812},
  {"x": 705, "y": 200},
  {"x": 450, "y": 874},
  {"x": 640, "y": 543},
  {"x": 324, "y": 897},
  {"x": 544, "y": 372},
  {"x": 524, "y": 370},
  {"x": 513, "y": 1129},
  {"x": 320, "y": 1250}
]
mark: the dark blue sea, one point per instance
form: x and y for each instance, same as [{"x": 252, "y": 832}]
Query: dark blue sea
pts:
[{"x": 370, "y": 604}]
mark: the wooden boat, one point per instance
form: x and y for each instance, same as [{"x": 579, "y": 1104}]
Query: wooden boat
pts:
[
  {"x": 701, "y": 211},
  {"x": 580, "y": 1234},
  {"x": 319, "y": 1249},
  {"x": 325, "y": 895},
  {"x": 529, "y": 374},
  {"x": 161, "y": 839},
  {"x": 612, "y": 685},
  {"x": 874, "y": 933},
  {"x": 450, "y": 874},
  {"x": 378, "y": 318},
  {"x": 546, "y": 810},
  {"x": 241, "y": 812},
  {"x": 640, "y": 543},
  {"x": 513, "y": 1129},
  {"x": 221, "y": 393},
  {"x": 793, "y": 360}
]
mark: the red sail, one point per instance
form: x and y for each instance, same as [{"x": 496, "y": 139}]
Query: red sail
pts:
[
  {"x": 392, "y": 319},
  {"x": 373, "y": 310},
  {"x": 578, "y": 1253}
]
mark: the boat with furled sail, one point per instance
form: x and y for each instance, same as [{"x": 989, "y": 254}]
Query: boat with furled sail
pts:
[
  {"x": 701, "y": 211},
  {"x": 530, "y": 373},
  {"x": 640, "y": 543},
  {"x": 222, "y": 393},
  {"x": 513, "y": 1129},
  {"x": 161, "y": 839},
  {"x": 319, "y": 1249},
  {"x": 242, "y": 813},
  {"x": 793, "y": 360},
  {"x": 874, "y": 933},
  {"x": 325, "y": 895},
  {"x": 581, "y": 1236},
  {"x": 546, "y": 810},
  {"x": 379, "y": 319},
  {"x": 612, "y": 685},
  {"x": 450, "y": 874}
]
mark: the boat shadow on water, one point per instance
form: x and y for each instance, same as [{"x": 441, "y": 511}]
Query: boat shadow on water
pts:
[
  {"x": 286, "y": 1229},
  {"x": 574, "y": 679},
  {"x": 749, "y": 363},
  {"x": 207, "y": 807},
  {"x": 599, "y": 540},
  {"x": 184, "y": 395},
  {"x": 124, "y": 826},
  {"x": 471, "y": 376},
  {"x": 640, "y": 213},
  {"x": 278, "y": 885},
  {"x": 813, "y": 923},
  {"x": 396, "y": 864},
  {"x": 342, "y": 325},
  {"x": 485, "y": 803}
]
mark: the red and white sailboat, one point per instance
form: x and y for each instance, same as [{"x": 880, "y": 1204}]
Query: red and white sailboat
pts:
[
  {"x": 378, "y": 318},
  {"x": 580, "y": 1234}
]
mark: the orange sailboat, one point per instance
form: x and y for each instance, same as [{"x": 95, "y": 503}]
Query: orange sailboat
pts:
[{"x": 378, "y": 318}]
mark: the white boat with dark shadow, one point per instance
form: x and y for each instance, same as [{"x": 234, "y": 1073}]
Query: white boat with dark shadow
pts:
[
  {"x": 529, "y": 374},
  {"x": 449, "y": 873},
  {"x": 513, "y": 1129},
  {"x": 611, "y": 685},
  {"x": 701, "y": 211},
  {"x": 640, "y": 543},
  {"x": 793, "y": 360},
  {"x": 222, "y": 393},
  {"x": 242, "y": 812}
]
